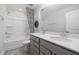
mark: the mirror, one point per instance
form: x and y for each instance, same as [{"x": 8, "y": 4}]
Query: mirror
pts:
[
  {"x": 53, "y": 18},
  {"x": 36, "y": 24},
  {"x": 72, "y": 21},
  {"x": 61, "y": 18}
]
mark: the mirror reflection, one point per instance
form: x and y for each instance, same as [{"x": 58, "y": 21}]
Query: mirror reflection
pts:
[{"x": 60, "y": 18}]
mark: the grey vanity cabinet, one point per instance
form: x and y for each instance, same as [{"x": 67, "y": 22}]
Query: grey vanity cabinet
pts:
[
  {"x": 39, "y": 46},
  {"x": 55, "y": 49}
]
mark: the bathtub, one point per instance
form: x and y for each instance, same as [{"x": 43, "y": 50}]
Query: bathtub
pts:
[{"x": 13, "y": 44}]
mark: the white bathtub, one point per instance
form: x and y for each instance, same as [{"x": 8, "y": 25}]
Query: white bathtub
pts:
[{"x": 8, "y": 45}]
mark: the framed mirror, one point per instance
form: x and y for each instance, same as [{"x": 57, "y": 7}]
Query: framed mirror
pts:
[{"x": 72, "y": 21}]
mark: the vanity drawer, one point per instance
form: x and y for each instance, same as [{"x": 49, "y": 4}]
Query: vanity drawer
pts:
[
  {"x": 46, "y": 44},
  {"x": 36, "y": 44},
  {"x": 45, "y": 50},
  {"x": 36, "y": 39},
  {"x": 35, "y": 51},
  {"x": 62, "y": 51}
]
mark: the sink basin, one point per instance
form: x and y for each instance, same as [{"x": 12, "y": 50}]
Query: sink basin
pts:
[
  {"x": 57, "y": 37},
  {"x": 50, "y": 35},
  {"x": 61, "y": 39}
]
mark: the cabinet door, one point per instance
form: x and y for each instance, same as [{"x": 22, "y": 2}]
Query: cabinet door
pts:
[
  {"x": 47, "y": 45},
  {"x": 34, "y": 45},
  {"x": 34, "y": 48},
  {"x": 44, "y": 50},
  {"x": 35, "y": 51}
]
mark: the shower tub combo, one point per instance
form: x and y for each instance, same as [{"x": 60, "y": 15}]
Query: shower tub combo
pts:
[{"x": 16, "y": 31}]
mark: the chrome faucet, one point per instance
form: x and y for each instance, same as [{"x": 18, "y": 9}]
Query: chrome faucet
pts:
[
  {"x": 43, "y": 30},
  {"x": 64, "y": 34}
]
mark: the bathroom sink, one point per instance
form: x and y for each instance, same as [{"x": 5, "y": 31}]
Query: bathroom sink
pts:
[
  {"x": 50, "y": 35},
  {"x": 57, "y": 37},
  {"x": 61, "y": 39}
]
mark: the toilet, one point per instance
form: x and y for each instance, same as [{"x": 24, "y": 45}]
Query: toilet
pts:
[{"x": 26, "y": 45}]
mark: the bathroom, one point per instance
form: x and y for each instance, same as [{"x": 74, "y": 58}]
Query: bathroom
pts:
[{"x": 39, "y": 29}]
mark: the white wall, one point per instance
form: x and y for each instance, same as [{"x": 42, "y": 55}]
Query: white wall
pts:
[
  {"x": 54, "y": 18},
  {"x": 16, "y": 7}
]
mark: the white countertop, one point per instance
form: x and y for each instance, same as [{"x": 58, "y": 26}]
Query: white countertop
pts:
[{"x": 72, "y": 43}]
